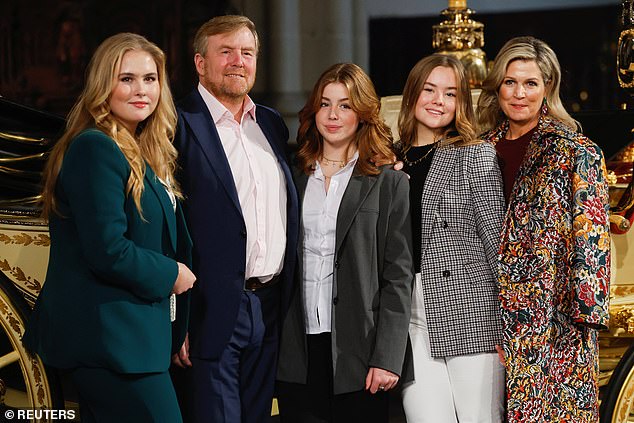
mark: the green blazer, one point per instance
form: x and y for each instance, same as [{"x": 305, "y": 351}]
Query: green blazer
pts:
[{"x": 105, "y": 302}]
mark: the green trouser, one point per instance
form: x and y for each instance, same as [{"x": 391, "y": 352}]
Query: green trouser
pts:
[{"x": 108, "y": 397}]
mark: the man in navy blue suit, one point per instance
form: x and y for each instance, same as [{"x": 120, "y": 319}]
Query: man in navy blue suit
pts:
[{"x": 241, "y": 208}]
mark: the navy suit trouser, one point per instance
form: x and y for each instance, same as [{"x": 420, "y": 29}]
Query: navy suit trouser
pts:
[{"x": 238, "y": 387}]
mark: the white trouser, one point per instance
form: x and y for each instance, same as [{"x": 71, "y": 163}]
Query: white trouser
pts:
[{"x": 463, "y": 389}]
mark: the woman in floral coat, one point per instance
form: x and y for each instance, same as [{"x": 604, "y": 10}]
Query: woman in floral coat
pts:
[{"x": 554, "y": 268}]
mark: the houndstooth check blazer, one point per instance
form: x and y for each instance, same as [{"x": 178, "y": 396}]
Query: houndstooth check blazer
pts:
[{"x": 462, "y": 212}]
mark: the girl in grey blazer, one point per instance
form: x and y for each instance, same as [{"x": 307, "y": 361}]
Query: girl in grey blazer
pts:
[
  {"x": 344, "y": 340},
  {"x": 457, "y": 206}
]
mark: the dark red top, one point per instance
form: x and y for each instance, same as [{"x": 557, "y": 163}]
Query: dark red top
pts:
[{"x": 510, "y": 155}]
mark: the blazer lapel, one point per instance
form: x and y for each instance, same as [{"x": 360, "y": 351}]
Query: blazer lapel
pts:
[
  {"x": 273, "y": 137},
  {"x": 442, "y": 167},
  {"x": 206, "y": 135},
  {"x": 301, "y": 180},
  {"x": 354, "y": 196},
  {"x": 166, "y": 204}
]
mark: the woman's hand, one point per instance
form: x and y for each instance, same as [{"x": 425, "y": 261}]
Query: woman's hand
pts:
[
  {"x": 181, "y": 358},
  {"x": 380, "y": 380},
  {"x": 184, "y": 281},
  {"x": 500, "y": 352}
]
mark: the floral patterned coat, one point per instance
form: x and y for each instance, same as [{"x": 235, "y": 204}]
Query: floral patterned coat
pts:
[{"x": 554, "y": 273}]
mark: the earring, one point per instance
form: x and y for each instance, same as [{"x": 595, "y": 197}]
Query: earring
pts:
[{"x": 544, "y": 107}]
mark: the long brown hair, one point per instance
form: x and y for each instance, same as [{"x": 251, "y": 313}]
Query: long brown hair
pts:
[
  {"x": 151, "y": 143},
  {"x": 490, "y": 114},
  {"x": 373, "y": 137},
  {"x": 462, "y": 126}
]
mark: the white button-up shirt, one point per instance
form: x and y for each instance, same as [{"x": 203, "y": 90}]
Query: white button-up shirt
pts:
[
  {"x": 259, "y": 182},
  {"x": 319, "y": 220}
]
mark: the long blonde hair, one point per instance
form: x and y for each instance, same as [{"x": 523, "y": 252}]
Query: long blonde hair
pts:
[
  {"x": 463, "y": 124},
  {"x": 490, "y": 114},
  {"x": 151, "y": 143},
  {"x": 373, "y": 137}
]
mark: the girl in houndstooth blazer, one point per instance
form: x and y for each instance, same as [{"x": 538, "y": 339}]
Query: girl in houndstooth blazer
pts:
[{"x": 457, "y": 207}]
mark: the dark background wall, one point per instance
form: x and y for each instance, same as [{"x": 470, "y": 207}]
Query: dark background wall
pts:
[
  {"x": 585, "y": 40},
  {"x": 45, "y": 45}
]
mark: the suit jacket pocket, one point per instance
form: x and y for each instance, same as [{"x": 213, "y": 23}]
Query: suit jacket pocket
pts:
[
  {"x": 368, "y": 210},
  {"x": 131, "y": 329}
]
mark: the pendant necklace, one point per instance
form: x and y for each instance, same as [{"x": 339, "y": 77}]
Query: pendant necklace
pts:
[
  {"x": 330, "y": 162},
  {"x": 411, "y": 163}
]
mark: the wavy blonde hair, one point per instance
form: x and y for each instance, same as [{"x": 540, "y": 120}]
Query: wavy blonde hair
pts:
[
  {"x": 463, "y": 123},
  {"x": 373, "y": 138},
  {"x": 152, "y": 141},
  {"x": 490, "y": 114}
]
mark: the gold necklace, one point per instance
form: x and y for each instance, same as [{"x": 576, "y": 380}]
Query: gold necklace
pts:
[
  {"x": 330, "y": 162},
  {"x": 420, "y": 159}
]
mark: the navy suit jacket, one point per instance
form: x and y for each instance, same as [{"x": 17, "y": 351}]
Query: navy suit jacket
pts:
[{"x": 215, "y": 220}]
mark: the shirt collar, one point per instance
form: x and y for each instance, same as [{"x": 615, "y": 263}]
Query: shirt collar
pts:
[{"x": 219, "y": 111}]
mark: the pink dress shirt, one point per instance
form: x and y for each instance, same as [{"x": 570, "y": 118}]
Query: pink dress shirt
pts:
[{"x": 260, "y": 185}]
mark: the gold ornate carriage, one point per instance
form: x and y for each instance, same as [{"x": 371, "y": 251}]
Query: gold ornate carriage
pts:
[{"x": 25, "y": 137}]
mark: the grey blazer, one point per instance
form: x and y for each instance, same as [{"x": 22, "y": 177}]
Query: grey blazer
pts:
[
  {"x": 372, "y": 288},
  {"x": 462, "y": 213}
]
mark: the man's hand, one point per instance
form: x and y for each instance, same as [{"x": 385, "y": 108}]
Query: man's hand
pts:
[{"x": 181, "y": 358}]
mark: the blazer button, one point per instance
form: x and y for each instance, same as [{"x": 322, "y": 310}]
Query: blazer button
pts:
[
  {"x": 335, "y": 300},
  {"x": 444, "y": 224},
  {"x": 243, "y": 233},
  {"x": 336, "y": 264},
  {"x": 446, "y": 273}
]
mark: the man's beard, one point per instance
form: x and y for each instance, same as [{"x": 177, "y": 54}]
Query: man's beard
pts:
[{"x": 232, "y": 90}]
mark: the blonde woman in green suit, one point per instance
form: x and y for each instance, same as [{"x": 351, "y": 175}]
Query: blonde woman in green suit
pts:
[{"x": 119, "y": 245}]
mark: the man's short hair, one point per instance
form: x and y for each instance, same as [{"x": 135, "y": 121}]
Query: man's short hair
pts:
[{"x": 223, "y": 25}]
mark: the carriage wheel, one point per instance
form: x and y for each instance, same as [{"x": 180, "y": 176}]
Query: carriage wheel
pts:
[
  {"x": 24, "y": 381},
  {"x": 617, "y": 405}
]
